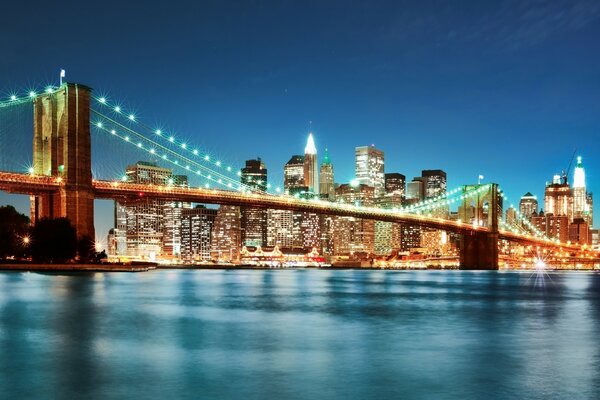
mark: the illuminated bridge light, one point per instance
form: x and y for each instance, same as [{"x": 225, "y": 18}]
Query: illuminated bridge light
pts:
[
  {"x": 127, "y": 138},
  {"x": 49, "y": 90},
  {"x": 195, "y": 152},
  {"x": 102, "y": 100},
  {"x": 171, "y": 139},
  {"x": 139, "y": 145},
  {"x": 124, "y": 178},
  {"x": 131, "y": 117},
  {"x": 32, "y": 94},
  {"x": 206, "y": 158},
  {"x": 99, "y": 124},
  {"x": 30, "y": 170},
  {"x": 152, "y": 151},
  {"x": 228, "y": 168},
  {"x": 158, "y": 132},
  {"x": 117, "y": 109},
  {"x": 164, "y": 157},
  {"x": 13, "y": 97},
  {"x": 183, "y": 145},
  {"x": 113, "y": 132}
]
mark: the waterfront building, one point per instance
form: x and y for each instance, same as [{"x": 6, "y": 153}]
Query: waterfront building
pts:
[
  {"x": 528, "y": 205},
  {"x": 254, "y": 219},
  {"x": 196, "y": 231},
  {"x": 579, "y": 232},
  {"x": 553, "y": 226},
  {"x": 280, "y": 228},
  {"x": 143, "y": 223},
  {"x": 326, "y": 180},
  {"x": 369, "y": 168},
  {"x": 311, "y": 173},
  {"x": 225, "y": 243},
  {"x": 354, "y": 235}
]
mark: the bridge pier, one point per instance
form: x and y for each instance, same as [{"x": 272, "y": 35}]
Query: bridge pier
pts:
[
  {"x": 479, "y": 251},
  {"x": 62, "y": 149}
]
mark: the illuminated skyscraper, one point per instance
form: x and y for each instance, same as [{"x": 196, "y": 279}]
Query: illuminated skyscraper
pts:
[
  {"x": 434, "y": 181},
  {"x": 196, "y": 230},
  {"x": 143, "y": 224},
  {"x": 254, "y": 219},
  {"x": 558, "y": 198},
  {"x": 415, "y": 190},
  {"x": 395, "y": 183},
  {"x": 528, "y": 205},
  {"x": 326, "y": 182},
  {"x": 351, "y": 234},
  {"x": 311, "y": 173},
  {"x": 581, "y": 206},
  {"x": 225, "y": 240},
  {"x": 293, "y": 175},
  {"x": 369, "y": 168}
]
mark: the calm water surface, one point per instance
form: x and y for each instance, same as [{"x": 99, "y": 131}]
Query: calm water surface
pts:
[{"x": 300, "y": 334}]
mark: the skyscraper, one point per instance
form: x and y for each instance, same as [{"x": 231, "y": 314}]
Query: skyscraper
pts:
[
  {"x": 254, "y": 219},
  {"x": 293, "y": 175},
  {"x": 415, "y": 190},
  {"x": 434, "y": 181},
  {"x": 142, "y": 225},
  {"x": 225, "y": 240},
  {"x": 528, "y": 205},
  {"x": 311, "y": 173},
  {"x": 196, "y": 230},
  {"x": 326, "y": 182},
  {"x": 558, "y": 198},
  {"x": 395, "y": 183},
  {"x": 354, "y": 234},
  {"x": 581, "y": 200},
  {"x": 369, "y": 168}
]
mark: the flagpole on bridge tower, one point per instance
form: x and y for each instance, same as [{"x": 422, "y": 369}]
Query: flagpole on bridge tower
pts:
[{"x": 63, "y": 73}]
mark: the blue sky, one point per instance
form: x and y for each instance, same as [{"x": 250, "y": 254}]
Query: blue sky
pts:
[{"x": 507, "y": 89}]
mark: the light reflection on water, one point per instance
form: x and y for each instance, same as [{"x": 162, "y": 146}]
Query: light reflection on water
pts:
[{"x": 300, "y": 334}]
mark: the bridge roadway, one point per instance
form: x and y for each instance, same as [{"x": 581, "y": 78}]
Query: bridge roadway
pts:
[{"x": 128, "y": 192}]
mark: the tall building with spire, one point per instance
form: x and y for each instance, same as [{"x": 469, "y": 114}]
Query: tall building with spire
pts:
[
  {"x": 311, "y": 173},
  {"x": 580, "y": 195},
  {"x": 326, "y": 182}
]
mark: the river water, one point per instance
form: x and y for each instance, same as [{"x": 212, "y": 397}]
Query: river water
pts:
[{"x": 300, "y": 334}]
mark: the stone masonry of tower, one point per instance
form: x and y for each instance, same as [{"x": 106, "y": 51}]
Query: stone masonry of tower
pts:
[{"x": 62, "y": 149}]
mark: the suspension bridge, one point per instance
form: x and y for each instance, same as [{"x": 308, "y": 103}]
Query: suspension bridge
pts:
[{"x": 61, "y": 184}]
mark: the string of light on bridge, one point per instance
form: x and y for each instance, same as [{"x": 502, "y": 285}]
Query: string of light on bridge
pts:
[
  {"x": 161, "y": 134},
  {"x": 143, "y": 143},
  {"x": 15, "y": 98}
]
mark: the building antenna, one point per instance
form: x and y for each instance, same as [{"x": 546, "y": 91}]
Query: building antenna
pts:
[{"x": 566, "y": 174}]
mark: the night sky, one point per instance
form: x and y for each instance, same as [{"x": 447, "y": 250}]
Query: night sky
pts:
[{"x": 507, "y": 89}]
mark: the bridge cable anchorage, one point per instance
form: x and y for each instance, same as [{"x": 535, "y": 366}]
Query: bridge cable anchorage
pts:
[
  {"x": 170, "y": 139},
  {"x": 173, "y": 157}
]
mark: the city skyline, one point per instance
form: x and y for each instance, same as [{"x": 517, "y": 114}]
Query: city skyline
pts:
[{"x": 429, "y": 97}]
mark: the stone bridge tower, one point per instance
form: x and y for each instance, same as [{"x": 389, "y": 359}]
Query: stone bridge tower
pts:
[{"x": 62, "y": 149}]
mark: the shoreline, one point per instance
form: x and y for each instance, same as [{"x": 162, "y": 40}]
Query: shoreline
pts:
[{"x": 150, "y": 267}]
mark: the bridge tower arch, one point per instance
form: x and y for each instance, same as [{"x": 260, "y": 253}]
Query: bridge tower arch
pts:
[
  {"x": 62, "y": 149},
  {"x": 479, "y": 249}
]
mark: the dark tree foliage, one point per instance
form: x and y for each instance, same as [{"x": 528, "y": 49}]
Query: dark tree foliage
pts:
[
  {"x": 86, "y": 249},
  {"x": 14, "y": 228},
  {"x": 53, "y": 240}
]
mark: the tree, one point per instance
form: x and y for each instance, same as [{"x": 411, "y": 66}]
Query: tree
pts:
[
  {"x": 14, "y": 232},
  {"x": 86, "y": 249},
  {"x": 53, "y": 240}
]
